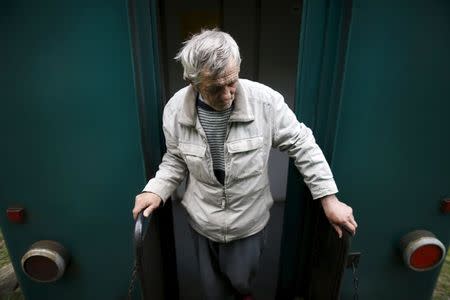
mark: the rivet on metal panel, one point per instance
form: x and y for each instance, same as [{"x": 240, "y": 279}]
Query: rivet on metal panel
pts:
[{"x": 445, "y": 206}]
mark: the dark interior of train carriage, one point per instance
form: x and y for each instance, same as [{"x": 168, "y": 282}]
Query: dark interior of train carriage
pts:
[{"x": 268, "y": 35}]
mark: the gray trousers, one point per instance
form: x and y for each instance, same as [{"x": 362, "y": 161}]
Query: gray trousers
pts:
[{"x": 228, "y": 269}]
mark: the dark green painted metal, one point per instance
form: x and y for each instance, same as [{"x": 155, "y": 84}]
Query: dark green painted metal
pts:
[
  {"x": 70, "y": 149},
  {"x": 384, "y": 133},
  {"x": 159, "y": 266},
  {"x": 391, "y": 155},
  {"x": 147, "y": 74},
  {"x": 327, "y": 259},
  {"x": 317, "y": 61},
  {"x": 322, "y": 38}
]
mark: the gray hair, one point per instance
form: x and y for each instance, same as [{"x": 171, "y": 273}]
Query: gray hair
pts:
[{"x": 209, "y": 50}]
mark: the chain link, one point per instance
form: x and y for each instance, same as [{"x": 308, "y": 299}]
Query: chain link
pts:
[
  {"x": 133, "y": 279},
  {"x": 355, "y": 282}
]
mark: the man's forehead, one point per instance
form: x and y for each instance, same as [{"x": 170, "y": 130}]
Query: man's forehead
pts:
[{"x": 229, "y": 75}]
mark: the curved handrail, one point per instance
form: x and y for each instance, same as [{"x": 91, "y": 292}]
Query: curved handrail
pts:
[{"x": 140, "y": 230}]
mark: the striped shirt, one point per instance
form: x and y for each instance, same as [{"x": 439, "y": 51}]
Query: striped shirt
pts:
[{"x": 214, "y": 124}]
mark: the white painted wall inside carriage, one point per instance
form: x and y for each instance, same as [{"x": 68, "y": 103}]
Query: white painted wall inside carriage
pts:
[{"x": 269, "y": 48}]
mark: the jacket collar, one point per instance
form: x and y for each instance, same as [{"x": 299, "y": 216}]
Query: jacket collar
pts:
[{"x": 241, "y": 113}]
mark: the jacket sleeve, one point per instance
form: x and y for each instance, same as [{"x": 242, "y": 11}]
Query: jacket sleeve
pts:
[
  {"x": 172, "y": 170},
  {"x": 294, "y": 137}
]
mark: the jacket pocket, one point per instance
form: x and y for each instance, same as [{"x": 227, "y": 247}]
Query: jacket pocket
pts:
[
  {"x": 246, "y": 157},
  {"x": 194, "y": 156}
]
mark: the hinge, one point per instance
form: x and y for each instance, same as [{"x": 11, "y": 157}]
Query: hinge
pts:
[{"x": 353, "y": 259}]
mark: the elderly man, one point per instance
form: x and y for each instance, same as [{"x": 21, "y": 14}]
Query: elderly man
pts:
[{"x": 220, "y": 130}]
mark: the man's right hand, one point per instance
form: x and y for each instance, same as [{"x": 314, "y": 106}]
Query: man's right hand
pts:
[{"x": 147, "y": 201}]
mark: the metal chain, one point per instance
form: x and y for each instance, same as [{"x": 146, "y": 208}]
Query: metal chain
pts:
[
  {"x": 133, "y": 279},
  {"x": 355, "y": 282}
]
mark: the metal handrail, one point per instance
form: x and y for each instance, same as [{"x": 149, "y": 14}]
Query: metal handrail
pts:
[
  {"x": 140, "y": 230},
  {"x": 139, "y": 233}
]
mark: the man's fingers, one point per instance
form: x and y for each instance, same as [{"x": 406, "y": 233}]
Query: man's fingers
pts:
[
  {"x": 140, "y": 205},
  {"x": 338, "y": 229},
  {"x": 352, "y": 220},
  {"x": 347, "y": 226},
  {"x": 135, "y": 213},
  {"x": 147, "y": 202},
  {"x": 148, "y": 210},
  {"x": 350, "y": 227}
]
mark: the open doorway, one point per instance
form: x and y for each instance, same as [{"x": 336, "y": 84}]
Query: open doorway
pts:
[{"x": 268, "y": 34}]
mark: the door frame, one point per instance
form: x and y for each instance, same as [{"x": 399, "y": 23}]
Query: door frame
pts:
[
  {"x": 159, "y": 265},
  {"x": 325, "y": 27}
]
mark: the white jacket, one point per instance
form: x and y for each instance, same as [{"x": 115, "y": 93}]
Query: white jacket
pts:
[{"x": 239, "y": 208}]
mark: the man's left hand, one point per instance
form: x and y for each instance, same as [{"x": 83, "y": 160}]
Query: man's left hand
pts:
[{"x": 339, "y": 214}]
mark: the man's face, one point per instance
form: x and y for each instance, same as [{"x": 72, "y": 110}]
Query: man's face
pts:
[{"x": 218, "y": 91}]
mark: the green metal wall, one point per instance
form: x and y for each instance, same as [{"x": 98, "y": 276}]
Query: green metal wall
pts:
[
  {"x": 373, "y": 85},
  {"x": 70, "y": 140},
  {"x": 391, "y": 156}
]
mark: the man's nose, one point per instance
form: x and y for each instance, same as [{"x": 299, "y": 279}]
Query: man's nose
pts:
[{"x": 229, "y": 91}]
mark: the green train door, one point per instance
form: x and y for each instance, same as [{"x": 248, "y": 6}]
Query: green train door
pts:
[
  {"x": 72, "y": 155},
  {"x": 390, "y": 146},
  {"x": 373, "y": 84}
]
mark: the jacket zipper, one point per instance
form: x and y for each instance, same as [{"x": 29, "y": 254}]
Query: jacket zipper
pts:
[
  {"x": 225, "y": 197},
  {"x": 223, "y": 203}
]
